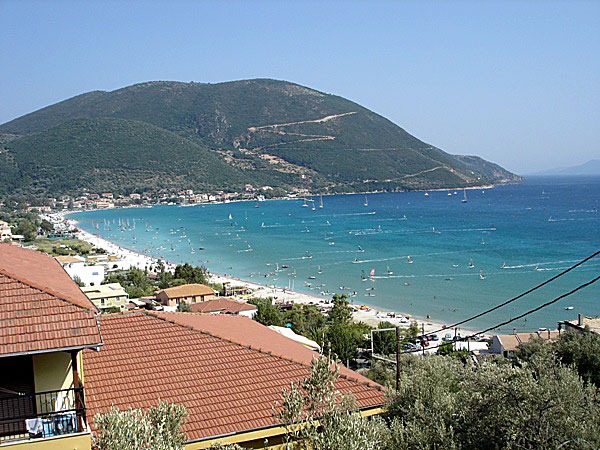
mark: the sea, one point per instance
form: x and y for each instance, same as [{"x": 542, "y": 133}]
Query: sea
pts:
[{"x": 428, "y": 254}]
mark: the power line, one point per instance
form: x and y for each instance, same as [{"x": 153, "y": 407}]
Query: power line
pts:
[
  {"x": 531, "y": 311},
  {"x": 487, "y": 311}
]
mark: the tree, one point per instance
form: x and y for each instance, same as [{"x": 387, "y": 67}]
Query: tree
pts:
[
  {"x": 27, "y": 229},
  {"x": 266, "y": 312},
  {"x": 191, "y": 274},
  {"x": 184, "y": 307},
  {"x": 384, "y": 342},
  {"x": 78, "y": 281},
  {"x": 318, "y": 417},
  {"x": 158, "y": 428},
  {"x": 341, "y": 312},
  {"x": 443, "y": 403},
  {"x": 342, "y": 341},
  {"x": 46, "y": 226},
  {"x": 308, "y": 321}
]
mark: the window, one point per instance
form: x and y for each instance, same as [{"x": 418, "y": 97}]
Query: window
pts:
[{"x": 102, "y": 301}]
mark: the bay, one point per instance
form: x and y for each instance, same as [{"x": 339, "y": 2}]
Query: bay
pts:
[{"x": 516, "y": 236}]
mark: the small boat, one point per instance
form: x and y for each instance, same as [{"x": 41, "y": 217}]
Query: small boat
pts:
[
  {"x": 256, "y": 206},
  {"x": 481, "y": 275},
  {"x": 284, "y": 266},
  {"x": 409, "y": 260},
  {"x": 568, "y": 308},
  {"x": 389, "y": 272},
  {"x": 366, "y": 201},
  {"x": 426, "y": 194},
  {"x": 449, "y": 194},
  {"x": 355, "y": 261},
  {"x": 471, "y": 265},
  {"x": 331, "y": 243},
  {"x": 312, "y": 277},
  {"x": 464, "y": 199},
  {"x": 404, "y": 217}
]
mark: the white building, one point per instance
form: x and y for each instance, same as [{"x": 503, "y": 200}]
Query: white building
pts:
[
  {"x": 5, "y": 232},
  {"x": 105, "y": 296},
  {"x": 90, "y": 275}
]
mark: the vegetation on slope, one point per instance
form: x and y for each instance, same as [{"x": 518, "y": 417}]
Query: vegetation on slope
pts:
[{"x": 291, "y": 135}]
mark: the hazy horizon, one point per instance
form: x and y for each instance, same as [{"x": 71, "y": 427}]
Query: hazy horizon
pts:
[{"x": 515, "y": 83}]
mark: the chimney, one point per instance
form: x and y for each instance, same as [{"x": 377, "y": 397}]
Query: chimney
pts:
[{"x": 580, "y": 319}]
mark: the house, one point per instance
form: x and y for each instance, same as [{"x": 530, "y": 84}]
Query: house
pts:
[
  {"x": 89, "y": 275},
  {"x": 506, "y": 344},
  {"x": 186, "y": 293},
  {"x": 579, "y": 324},
  {"x": 105, "y": 296},
  {"x": 224, "y": 306},
  {"x": 45, "y": 323},
  {"x": 228, "y": 371},
  {"x": 5, "y": 232}
]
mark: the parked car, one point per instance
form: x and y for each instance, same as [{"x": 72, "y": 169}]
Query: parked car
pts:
[
  {"x": 447, "y": 337},
  {"x": 434, "y": 337}
]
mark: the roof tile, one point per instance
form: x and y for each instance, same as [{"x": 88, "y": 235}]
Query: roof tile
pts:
[{"x": 224, "y": 385}]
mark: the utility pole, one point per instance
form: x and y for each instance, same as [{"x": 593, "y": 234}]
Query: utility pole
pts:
[
  {"x": 423, "y": 334},
  {"x": 398, "y": 351}
]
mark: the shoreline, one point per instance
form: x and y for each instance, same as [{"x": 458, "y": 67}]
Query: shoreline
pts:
[{"x": 372, "y": 315}]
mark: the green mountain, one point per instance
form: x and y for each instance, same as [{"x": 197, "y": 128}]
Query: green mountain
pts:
[{"x": 169, "y": 135}]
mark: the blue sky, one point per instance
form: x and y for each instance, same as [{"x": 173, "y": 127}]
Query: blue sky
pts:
[{"x": 517, "y": 83}]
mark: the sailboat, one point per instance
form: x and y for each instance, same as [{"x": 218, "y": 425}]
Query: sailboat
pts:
[
  {"x": 360, "y": 249},
  {"x": 464, "y": 200},
  {"x": 372, "y": 273},
  {"x": 409, "y": 260},
  {"x": 321, "y": 202},
  {"x": 503, "y": 265},
  {"x": 366, "y": 201},
  {"x": 481, "y": 275},
  {"x": 389, "y": 272},
  {"x": 304, "y": 205},
  {"x": 319, "y": 270},
  {"x": 230, "y": 217},
  {"x": 363, "y": 277},
  {"x": 355, "y": 261},
  {"x": 471, "y": 265}
]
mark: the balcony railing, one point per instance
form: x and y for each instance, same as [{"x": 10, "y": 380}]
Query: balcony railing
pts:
[{"x": 40, "y": 415}]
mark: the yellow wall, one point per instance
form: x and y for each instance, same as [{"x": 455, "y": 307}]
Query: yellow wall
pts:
[
  {"x": 81, "y": 441},
  {"x": 274, "y": 437},
  {"x": 52, "y": 371}
]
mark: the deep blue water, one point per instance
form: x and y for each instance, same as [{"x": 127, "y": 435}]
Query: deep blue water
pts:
[{"x": 536, "y": 229}]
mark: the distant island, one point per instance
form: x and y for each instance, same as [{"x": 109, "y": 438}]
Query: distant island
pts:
[
  {"x": 260, "y": 134},
  {"x": 592, "y": 167}
]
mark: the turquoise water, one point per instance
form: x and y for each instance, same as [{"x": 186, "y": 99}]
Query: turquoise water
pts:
[{"x": 535, "y": 229}]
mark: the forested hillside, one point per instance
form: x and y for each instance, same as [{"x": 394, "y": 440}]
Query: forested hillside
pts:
[{"x": 170, "y": 135}]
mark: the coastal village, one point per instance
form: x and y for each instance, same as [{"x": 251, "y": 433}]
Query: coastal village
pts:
[{"x": 78, "y": 343}]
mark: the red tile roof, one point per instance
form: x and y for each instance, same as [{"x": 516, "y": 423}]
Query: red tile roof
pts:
[
  {"x": 41, "y": 271},
  {"x": 221, "y": 305},
  {"x": 226, "y": 386},
  {"x": 187, "y": 290},
  {"x": 41, "y": 308}
]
